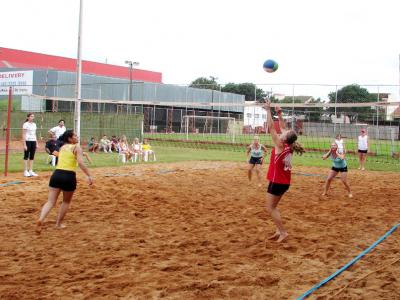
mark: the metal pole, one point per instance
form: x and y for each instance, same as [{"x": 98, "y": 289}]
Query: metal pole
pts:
[
  {"x": 8, "y": 130},
  {"x": 142, "y": 130},
  {"x": 334, "y": 124},
  {"x": 130, "y": 81},
  {"x": 77, "y": 113},
  {"x": 377, "y": 122},
  {"x": 219, "y": 109},
  {"x": 293, "y": 107}
]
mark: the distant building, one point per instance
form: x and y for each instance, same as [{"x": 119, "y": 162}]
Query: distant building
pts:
[
  {"x": 43, "y": 83},
  {"x": 254, "y": 116},
  {"x": 343, "y": 119},
  {"x": 396, "y": 113}
]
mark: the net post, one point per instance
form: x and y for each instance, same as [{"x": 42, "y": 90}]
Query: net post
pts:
[
  {"x": 78, "y": 91},
  {"x": 293, "y": 87},
  {"x": 187, "y": 127},
  {"x": 8, "y": 131},
  {"x": 233, "y": 130},
  {"x": 142, "y": 130}
]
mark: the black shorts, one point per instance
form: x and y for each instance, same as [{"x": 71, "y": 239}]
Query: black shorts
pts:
[
  {"x": 362, "y": 151},
  {"x": 255, "y": 160},
  {"x": 30, "y": 150},
  {"x": 343, "y": 170},
  {"x": 64, "y": 180},
  {"x": 277, "y": 189}
]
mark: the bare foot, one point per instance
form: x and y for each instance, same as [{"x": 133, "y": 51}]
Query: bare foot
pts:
[
  {"x": 359, "y": 168},
  {"x": 282, "y": 237},
  {"x": 38, "y": 226},
  {"x": 350, "y": 195},
  {"x": 61, "y": 226},
  {"x": 362, "y": 169},
  {"x": 259, "y": 185},
  {"x": 324, "y": 194},
  {"x": 274, "y": 236}
]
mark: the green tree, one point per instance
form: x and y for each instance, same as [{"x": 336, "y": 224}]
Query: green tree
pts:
[
  {"x": 247, "y": 89},
  {"x": 352, "y": 94},
  {"x": 310, "y": 113},
  {"x": 206, "y": 83}
]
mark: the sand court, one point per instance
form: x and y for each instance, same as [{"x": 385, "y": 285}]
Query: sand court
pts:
[{"x": 197, "y": 230}]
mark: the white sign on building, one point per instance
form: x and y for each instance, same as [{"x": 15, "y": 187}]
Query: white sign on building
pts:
[{"x": 20, "y": 81}]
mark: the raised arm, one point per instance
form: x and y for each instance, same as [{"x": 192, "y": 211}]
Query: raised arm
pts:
[
  {"x": 270, "y": 122},
  {"x": 282, "y": 123},
  {"x": 326, "y": 155}
]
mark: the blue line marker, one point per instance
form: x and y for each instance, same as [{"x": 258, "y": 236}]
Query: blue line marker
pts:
[
  {"x": 353, "y": 261},
  {"x": 11, "y": 183}
]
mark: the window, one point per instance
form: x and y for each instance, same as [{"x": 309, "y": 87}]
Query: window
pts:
[
  {"x": 249, "y": 115},
  {"x": 256, "y": 116}
]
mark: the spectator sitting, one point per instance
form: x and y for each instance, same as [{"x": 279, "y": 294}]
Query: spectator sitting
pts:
[
  {"x": 123, "y": 149},
  {"x": 137, "y": 149},
  {"x": 93, "y": 146},
  {"x": 105, "y": 144},
  {"x": 114, "y": 143},
  {"x": 147, "y": 152},
  {"x": 52, "y": 149}
]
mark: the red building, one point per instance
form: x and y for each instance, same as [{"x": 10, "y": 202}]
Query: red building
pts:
[{"x": 13, "y": 59}]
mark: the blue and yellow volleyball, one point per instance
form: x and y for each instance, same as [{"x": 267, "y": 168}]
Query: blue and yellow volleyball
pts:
[{"x": 270, "y": 66}]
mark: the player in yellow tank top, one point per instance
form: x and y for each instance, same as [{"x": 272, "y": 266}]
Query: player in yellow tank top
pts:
[
  {"x": 67, "y": 159},
  {"x": 64, "y": 178}
]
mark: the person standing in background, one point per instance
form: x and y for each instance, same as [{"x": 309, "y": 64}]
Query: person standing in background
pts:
[
  {"x": 30, "y": 144},
  {"x": 341, "y": 149},
  {"x": 59, "y": 129},
  {"x": 362, "y": 149}
]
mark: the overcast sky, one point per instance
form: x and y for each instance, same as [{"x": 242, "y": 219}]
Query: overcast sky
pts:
[{"x": 314, "y": 41}]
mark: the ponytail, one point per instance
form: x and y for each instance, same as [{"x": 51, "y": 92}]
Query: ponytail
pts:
[{"x": 296, "y": 147}]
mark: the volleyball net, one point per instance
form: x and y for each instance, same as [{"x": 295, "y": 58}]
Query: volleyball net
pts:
[{"x": 211, "y": 119}]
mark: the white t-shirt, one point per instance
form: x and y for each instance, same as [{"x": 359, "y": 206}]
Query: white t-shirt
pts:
[
  {"x": 363, "y": 142},
  {"x": 30, "y": 134},
  {"x": 58, "y": 131},
  {"x": 340, "y": 145}
]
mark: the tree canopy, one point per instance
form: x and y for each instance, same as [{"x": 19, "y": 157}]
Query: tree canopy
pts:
[
  {"x": 206, "y": 83},
  {"x": 352, "y": 94},
  {"x": 247, "y": 89}
]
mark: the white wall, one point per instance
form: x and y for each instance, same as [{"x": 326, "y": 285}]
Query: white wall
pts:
[
  {"x": 390, "y": 109},
  {"x": 254, "y": 116}
]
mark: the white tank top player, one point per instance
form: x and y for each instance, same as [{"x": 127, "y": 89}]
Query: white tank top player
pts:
[
  {"x": 256, "y": 151},
  {"x": 340, "y": 144},
  {"x": 363, "y": 142},
  {"x": 362, "y": 149}
]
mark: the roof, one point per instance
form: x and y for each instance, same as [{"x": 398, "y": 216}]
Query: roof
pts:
[
  {"x": 11, "y": 58},
  {"x": 396, "y": 113}
]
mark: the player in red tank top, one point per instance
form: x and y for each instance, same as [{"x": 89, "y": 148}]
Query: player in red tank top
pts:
[{"x": 279, "y": 172}]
